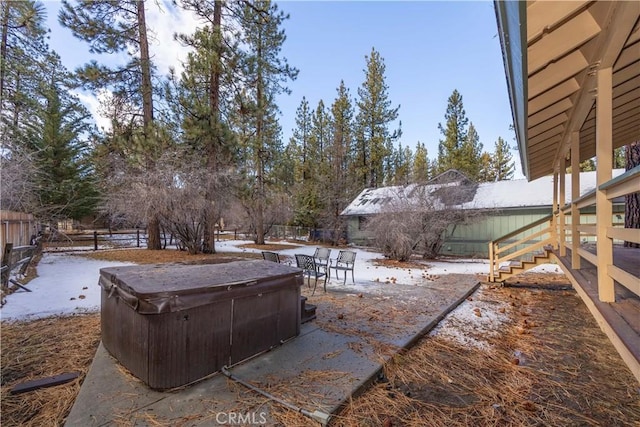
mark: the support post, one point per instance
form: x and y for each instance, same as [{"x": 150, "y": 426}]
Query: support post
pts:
[
  {"x": 95, "y": 240},
  {"x": 575, "y": 194},
  {"x": 554, "y": 209},
  {"x": 561, "y": 202},
  {"x": 604, "y": 160}
]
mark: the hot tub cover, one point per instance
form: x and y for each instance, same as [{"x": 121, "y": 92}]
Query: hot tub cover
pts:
[{"x": 162, "y": 288}]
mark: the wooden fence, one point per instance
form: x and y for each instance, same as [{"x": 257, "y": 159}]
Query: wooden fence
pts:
[{"x": 16, "y": 228}]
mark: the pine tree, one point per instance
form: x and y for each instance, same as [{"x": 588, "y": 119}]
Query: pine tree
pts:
[
  {"x": 402, "y": 159},
  {"x": 300, "y": 139},
  {"x": 487, "y": 169},
  {"x": 44, "y": 128},
  {"x": 266, "y": 73},
  {"x": 61, "y": 152},
  {"x": 502, "y": 163},
  {"x": 421, "y": 170},
  {"x": 23, "y": 52},
  {"x": 111, "y": 27},
  {"x": 208, "y": 73},
  {"x": 375, "y": 116},
  {"x": 471, "y": 151},
  {"x": 450, "y": 150},
  {"x": 341, "y": 184},
  {"x": 304, "y": 194}
]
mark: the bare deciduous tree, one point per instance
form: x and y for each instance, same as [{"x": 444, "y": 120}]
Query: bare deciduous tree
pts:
[
  {"x": 18, "y": 189},
  {"x": 175, "y": 191}
]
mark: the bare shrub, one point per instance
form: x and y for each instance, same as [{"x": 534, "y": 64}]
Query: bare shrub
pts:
[
  {"x": 418, "y": 218},
  {"x": 175, "y": 190}
]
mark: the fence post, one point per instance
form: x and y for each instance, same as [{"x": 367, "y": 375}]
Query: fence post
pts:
[
  {"x": 138, "y": 237},
  {"x": 95, "y": 240}
]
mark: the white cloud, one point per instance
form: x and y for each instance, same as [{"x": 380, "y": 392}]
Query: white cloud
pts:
[{"x": 163, "y": 21}]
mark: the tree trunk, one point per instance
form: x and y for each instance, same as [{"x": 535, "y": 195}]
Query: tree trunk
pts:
[
  {"x": 145, "y": 69},
  {"x": 209, "y": 240},
  {"x": 3, "y": 46},
  {"x": 260, "y": 194},
  {"x": 632, "y": 201},
  {"x": 153, "y": 233}
]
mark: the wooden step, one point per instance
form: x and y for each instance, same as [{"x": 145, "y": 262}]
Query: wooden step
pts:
[
  {"x": 516, "y": 267},
  {"x": 307, "y": 311},
  {"x": 308, "y": 314}
]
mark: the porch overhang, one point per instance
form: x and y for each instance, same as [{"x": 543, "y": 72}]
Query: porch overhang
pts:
[{"x": 552, "y": 51}]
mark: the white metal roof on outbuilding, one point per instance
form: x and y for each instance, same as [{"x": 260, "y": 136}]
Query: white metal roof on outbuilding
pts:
[{"x": 518, "y": 193}]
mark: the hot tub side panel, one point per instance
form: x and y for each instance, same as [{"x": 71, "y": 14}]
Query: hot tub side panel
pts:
[
  {"x": 189, "y": 344},
  {"x": 125, "y": 334}
]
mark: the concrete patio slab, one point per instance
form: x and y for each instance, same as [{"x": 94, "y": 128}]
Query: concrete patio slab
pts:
[{"x": 334, "y": 358}]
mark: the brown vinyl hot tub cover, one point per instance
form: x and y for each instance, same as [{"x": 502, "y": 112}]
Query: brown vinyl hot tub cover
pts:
[{"x": 163, "y": 288}]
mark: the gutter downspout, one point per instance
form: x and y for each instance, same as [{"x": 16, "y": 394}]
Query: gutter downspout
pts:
[{"x": 319, "y": 416}]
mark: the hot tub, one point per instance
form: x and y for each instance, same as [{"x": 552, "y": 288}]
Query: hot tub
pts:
[{"x": 170, "y": 325}]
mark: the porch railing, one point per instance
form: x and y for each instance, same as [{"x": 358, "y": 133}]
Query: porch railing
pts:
[{"x": 520, "y": 244}]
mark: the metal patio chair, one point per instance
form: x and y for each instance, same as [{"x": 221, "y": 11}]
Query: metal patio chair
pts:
[
  {"x": 345, "y": 262},
  {"x": 270, "y": 256},
  {"x": 322, "y": 259},
  {"x": 309, "y": 268}
]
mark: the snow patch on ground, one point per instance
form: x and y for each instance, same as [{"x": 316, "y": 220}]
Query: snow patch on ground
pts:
[
  {"x": 473, "y": 321},
  {"x": 66, "y": 284}
]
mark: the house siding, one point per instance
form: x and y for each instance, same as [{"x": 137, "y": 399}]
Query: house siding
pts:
[{"x": 472, "y": 240}]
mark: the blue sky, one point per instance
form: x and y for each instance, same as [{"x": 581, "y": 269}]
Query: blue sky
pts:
[{"x": 429, "y": 48}]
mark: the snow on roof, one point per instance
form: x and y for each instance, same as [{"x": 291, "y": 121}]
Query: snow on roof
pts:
[{"x": 489, "y": 195}]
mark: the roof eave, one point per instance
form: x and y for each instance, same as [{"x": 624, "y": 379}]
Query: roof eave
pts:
[{"x": 512, "y": 30}]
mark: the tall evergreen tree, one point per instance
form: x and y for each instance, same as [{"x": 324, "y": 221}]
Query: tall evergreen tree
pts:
[
  {"x": 304, "y": 196},
  {"x": 23, "y": 53},
  {"x": 341, "y": 185},
  {"x": 502, "y": 161},
  {"x": 487, "y": 169},
  {"x": 375, "y": 116},
  {"x": 113, "y": 26},
  {"x": 450, "y": 150},
  {"x": 421, "y": 170},
  {"x": 300, "y": 138},
  {"x": 61, "y": 152},
  {"x": 208, "y": 73},
  {"x": 402, "y": 159},
  {"x": 471, "y": 151},
  {"x": 266, "y": 74}
]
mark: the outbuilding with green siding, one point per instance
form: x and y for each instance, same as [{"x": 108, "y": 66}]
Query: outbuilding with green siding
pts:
[{"x": 505, "y": 206}]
